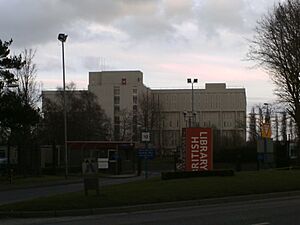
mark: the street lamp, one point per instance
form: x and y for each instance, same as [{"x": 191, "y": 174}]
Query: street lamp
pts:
[
  {"x": 192, "y": 81},
  {"x": 62, "y": 38}
]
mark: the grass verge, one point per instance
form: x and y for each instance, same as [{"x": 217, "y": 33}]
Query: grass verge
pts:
[
  {"x": 20, "y": 181},
  {"x": 156, "y": 190}
]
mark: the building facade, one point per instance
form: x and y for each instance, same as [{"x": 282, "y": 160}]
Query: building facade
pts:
[
  {"x": 123, "y": 96},
  {"x": 216, "y": 106}
]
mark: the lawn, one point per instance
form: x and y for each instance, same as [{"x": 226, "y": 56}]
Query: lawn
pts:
[
  {"x": 21, "y": 182},
  {"x": 156, "y": 190}
]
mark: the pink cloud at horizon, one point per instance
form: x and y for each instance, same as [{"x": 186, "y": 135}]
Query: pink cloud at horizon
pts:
[{"x": 210, "y": 72}]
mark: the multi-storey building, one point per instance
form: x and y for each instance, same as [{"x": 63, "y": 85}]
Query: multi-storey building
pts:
[{"x": 215, "y": 106}]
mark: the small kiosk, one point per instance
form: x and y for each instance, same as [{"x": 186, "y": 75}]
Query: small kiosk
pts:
[{"x": 112, "y": 157}]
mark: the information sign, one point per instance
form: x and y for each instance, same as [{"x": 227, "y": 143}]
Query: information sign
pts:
[{"x": 146, "y": 153}]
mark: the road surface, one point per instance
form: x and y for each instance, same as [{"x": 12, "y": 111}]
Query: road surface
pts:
[{"x": 276, "y": 211}]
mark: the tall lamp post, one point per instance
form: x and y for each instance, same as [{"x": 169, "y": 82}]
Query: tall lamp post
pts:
[
  {"x": 192, "y": 81},
  {"x": 62, "y": 38}
]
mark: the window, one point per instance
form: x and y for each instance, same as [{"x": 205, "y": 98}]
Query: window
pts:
[
  {"x": 134, "y": 91},
  {"x": 112, "y": 155},
  {"x": 134, "y": 108},
  {"x": 117, "y": 120},
  {"x": 134, "y": 99},
  {"x": 116, "y": 90},
  {"x": 116, "y": 108},
  {"x": 117, "y": 100},
  {"x": 124, "y": 81},
  {"x": 134, "y": 120}
]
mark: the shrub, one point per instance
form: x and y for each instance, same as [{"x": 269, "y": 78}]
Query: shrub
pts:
[{"x": 189, "y": 174}]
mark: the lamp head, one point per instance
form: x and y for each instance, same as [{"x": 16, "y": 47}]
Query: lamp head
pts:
[
  {"x": 189, "y": 80},
  {"x": 62, "y": 37},
  {"x": 195, "y": 80}
]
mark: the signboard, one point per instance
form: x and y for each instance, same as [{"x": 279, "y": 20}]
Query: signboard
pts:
[
  {"x": 145, "y": 136},
  {"x": 265, "y": 146},
  {"x": 183, "y": 147},
  {"x": 146, "y": 153},
  {"x": 199, "y": 149},
  {"x": 102, "y": 163},
  {"x": 89, "y": 166},
  {"x": 266, "y": 131}
]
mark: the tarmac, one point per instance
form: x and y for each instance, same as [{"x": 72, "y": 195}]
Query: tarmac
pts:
[{"x": 145, "y": 207}]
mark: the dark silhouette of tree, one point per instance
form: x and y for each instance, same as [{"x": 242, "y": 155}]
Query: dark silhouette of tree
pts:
[
  {"x": 276, "y": 127},
  {"x": 276, "y": 48},
  {"x": 7, "y": 64},
  {"x": 17, "y": 117},
  {"x": 86, "y": 120},
  {"x": 283, "y": 130}
]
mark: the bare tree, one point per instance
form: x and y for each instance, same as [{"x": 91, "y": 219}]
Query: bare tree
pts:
[
  {"x": 276, "y": 127},
  {"x": 126, "y": 125},
  {"x": 252, "y": 126},
  {"x": 283, "y": 127},
  {"x": 291, "y": 129},
  {"x": 149, "y": 115},
  {"x": 276, "y": 48},
  {"x": 149, "y": 110},
  {"x": 28, "y": 86}
]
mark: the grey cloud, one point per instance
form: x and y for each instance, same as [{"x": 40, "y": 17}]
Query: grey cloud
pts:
[
  {"x": 33, "y": 22},
  {"x": 220, "y": 14},
  {"x": 91, "y": 63},
  {"x": 177, "y": 10},
  {"x": 147, "y": 28}
]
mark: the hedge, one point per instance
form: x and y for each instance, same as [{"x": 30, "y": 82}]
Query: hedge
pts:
[{"x": 189, "y": 174}]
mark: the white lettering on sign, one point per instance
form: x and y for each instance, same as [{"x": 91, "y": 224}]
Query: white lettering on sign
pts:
[
  {"x": 203, "y": 151},
  {"x": 199, "y": 152},
  {"x": 195, "y": 153},
  {"x": 145, "y": 136}
]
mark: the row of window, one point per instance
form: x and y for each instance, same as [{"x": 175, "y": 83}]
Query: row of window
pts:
[
  {"x": 117, "y": 91},
  {"x": 116, "y": 112},
  {"x": 117, "y": 109},
  {"x": 205, "y": 123}
]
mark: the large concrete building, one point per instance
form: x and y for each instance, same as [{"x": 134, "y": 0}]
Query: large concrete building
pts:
[{"x": 215, "y": 106}]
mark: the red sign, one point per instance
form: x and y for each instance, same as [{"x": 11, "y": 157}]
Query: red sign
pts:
[{"x": 199, "y": 152}]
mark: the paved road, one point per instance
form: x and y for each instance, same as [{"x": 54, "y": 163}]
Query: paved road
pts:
[
  {"x": 31, "y": 193},
  {"x": 277, "y": 211}
]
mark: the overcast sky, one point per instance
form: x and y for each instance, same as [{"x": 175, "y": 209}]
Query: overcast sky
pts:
[{"x": 168, "y": 40}]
